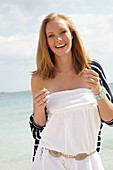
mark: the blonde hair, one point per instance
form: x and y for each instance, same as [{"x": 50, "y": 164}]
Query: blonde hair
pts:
[{"x": 45, "y": 57}]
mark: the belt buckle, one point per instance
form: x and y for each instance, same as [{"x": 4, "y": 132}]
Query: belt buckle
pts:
[{"x": 81, "y": 156}]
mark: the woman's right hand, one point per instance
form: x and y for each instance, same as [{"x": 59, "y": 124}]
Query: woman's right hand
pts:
[{"x": 40, "y": 100}]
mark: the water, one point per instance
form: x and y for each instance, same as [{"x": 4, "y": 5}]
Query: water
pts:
[{"x": 16, "y": 143}]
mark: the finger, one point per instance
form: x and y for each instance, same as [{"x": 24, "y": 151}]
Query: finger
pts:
[
  {"x": 42, "y": 96},
  {"x": 44, "y": 100},
  {"x": 44, "y": 104},
  {"x": 39, "y": 93},
  {"x": 91, "y": 83},
  {"x": 92, "y": 77},
  {"x": 39, "y": 103},
  {"x": 89, "y": 71},
  {"x": 95, "y": 88},
  {"x": 92, "y": 80}
]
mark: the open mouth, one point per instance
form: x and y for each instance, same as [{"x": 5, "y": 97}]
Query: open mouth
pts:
[{"x": 60, "y": 46}]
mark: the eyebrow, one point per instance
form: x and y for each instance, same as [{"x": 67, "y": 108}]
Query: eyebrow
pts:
[
  {"x": 53, "y": 32},
  {"x": 49, "y": 32}
]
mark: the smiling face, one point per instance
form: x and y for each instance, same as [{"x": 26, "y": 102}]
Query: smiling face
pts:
[{"x": 59, "y": 37}]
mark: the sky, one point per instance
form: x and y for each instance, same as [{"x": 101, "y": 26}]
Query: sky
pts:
[{"x": 19, "y": 29}]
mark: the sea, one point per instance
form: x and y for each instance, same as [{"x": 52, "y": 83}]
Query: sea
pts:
[{"x": 16, "y": 142}]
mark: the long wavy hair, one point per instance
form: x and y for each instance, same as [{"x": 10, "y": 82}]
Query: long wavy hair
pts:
[{"x": 45, "y": 57}]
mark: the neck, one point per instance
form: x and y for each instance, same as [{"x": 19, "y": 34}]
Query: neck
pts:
[{"x": 64, "y": 64}]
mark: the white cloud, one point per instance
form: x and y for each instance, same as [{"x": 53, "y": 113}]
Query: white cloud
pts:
[
  {"x": 34, "y": 3},
  {"x": 13, "y": 17},
  {"x": 18, "y": 48},
  {"x": 20, "y": 16},
  {"x": 39, "y": 20},
  {"x": 95, "y": 30}
]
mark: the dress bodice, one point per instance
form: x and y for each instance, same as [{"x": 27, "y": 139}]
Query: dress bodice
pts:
[{"x": 73, "y": 122}]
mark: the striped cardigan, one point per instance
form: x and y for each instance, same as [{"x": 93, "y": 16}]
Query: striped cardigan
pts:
[{"x": 36, "y": 129}]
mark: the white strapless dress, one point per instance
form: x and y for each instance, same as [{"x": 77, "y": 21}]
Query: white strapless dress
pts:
[{"x": 72, "y": 128}]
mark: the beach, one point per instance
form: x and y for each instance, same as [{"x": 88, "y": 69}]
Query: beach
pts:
[{"x": 16, "y": 142}]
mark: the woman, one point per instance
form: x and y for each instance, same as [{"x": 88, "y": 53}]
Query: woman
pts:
[{"x": 73, "y": 96}]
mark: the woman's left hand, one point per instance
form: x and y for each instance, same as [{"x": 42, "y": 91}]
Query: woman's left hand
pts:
[{"x": 92, "y": 78}]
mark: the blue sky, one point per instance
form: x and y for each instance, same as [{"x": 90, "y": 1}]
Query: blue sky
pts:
[{"x": 19, "y": 28}]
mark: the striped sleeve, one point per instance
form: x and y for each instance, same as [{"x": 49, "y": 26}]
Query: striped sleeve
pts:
[
  {"x": 36, "y": 131},
  {"x": 35, "y": 128},
  {"x": 103, "y": 81}
]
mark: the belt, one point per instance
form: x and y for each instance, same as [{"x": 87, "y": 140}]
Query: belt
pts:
[{"x": 80, "y": 156}]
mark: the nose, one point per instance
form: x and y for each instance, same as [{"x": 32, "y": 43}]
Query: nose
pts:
[{"x": 59, "y": 38}]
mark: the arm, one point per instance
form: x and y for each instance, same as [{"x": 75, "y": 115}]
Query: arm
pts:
[
  {"x": 40, "y": 100},
  {"x": 105, "y": 105},
  {"x": 37, "y": 120},
  {"x": 108, "y": 100},
  {"x": 98, "y": 69},
  {"x": 36, "y": 131},
  {"x": 103, "y": 81},
  {"x": 35, "y": 128}
]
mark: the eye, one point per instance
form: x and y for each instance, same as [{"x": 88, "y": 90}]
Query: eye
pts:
[
  {"x": 63, "y": 32},
  {"x": 51, "y": 35}
]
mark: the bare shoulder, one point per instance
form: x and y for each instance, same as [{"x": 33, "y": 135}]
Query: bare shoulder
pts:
[{"x": 37, "y": 83}]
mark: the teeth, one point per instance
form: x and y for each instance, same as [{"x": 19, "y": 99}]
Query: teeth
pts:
[{"x": 60, "y": 45}]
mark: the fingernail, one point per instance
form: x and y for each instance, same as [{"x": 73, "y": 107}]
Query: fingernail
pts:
[
  {"x": 44, "y": 89},
  {"x": 47, "y": 101},
  {"x": 85, "y": 69},
  {"x": 48, "y": 92},
  {"x": 48, "y": 96}
]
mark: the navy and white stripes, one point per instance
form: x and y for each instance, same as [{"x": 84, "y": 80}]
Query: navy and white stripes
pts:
[
  {"x": 36, "y": 129},
  {"x": 97, "y": 68}
]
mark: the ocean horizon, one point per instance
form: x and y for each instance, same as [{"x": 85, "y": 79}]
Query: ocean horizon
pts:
[
  {"x": 16, "y": 140},
  {"x": 19, "y": 91}
]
